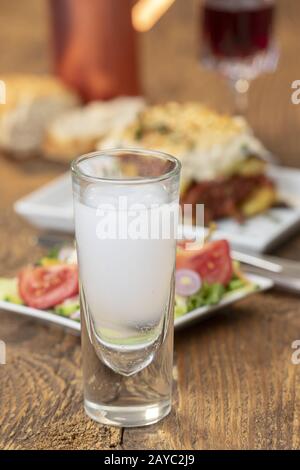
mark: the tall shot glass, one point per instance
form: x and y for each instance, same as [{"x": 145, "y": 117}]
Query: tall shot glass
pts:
[{"x": 126, "y": 214}]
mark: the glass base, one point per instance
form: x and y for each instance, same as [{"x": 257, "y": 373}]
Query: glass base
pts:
[
  {"x": 247, "y": 68},
  {"x": 127, "y": 416}
]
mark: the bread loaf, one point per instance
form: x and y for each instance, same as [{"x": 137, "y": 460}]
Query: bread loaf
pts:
[
  {"x": 32, "y": 101},
  {"x": 79, "y": 130}
]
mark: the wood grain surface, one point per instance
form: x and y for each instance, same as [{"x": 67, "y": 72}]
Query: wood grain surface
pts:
[{"x": 235, "y": 386}]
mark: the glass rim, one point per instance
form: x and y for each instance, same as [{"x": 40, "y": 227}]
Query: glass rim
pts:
[{"x": 136, "y": 151}]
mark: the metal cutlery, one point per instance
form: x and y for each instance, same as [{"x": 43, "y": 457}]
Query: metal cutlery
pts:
[{"x": 284, "y": 273}]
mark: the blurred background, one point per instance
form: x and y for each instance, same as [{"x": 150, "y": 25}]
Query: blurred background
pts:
[
  {"x": 169, "y": 65},
  {"x": 164, "y": 66}
]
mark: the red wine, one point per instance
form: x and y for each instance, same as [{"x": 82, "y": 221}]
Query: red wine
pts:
[{"x": 237, "y": 29}]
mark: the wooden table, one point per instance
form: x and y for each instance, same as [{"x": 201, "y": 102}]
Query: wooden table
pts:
[{"x": 235, "y": 386}]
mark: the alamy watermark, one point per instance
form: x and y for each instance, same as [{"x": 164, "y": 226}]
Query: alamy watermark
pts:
[
  {"x": 296, "y": 354},
  {"x": 2, "y": 353},
  {"x": 124, "y": 220},
  {"x": 2, "y": 92},
  {"x": 296, "y": 93}
]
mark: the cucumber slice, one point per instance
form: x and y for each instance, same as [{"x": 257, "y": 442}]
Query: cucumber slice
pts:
[
  {"x": 67, "y": 307},
  {"x": 9, "y": 290}
]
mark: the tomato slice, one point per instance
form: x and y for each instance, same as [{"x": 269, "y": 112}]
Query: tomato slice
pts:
[
  {"x": 212, "y": 262},
  {"x": 44, "y": 287}
]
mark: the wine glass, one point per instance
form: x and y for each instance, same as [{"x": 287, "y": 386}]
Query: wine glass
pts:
[{"x": 237, "y": 37}]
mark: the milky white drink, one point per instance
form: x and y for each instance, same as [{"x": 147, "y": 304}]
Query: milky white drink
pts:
[
  {"x": 126, "y": 274},
  {"x": 125, "y": 236}
]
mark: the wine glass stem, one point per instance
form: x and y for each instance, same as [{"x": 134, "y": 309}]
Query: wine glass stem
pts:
[{"x": 240, "y": 89}]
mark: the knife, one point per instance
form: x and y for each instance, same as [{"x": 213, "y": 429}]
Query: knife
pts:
[{"x": 283, "y": 272}]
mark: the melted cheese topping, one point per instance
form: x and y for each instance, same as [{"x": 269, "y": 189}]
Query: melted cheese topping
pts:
[{"x": 208, "y": 144}]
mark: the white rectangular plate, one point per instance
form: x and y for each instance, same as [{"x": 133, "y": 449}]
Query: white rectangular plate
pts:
[
  {"x": 50, "y": 207},
  {"x": 191, "y": 317}
]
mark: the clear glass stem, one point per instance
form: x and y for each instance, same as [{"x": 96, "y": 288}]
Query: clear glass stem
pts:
[{"x": 240, "y": 90}]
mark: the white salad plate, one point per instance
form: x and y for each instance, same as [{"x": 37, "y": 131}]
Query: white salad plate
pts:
[
  {"x": 50, "y": 208},
  {"x": 194, "y": 316}
]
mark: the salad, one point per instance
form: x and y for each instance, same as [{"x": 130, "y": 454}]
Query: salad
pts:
[
  {"x": 203, "y": 278},
  {"x": 50, "y": 284}
]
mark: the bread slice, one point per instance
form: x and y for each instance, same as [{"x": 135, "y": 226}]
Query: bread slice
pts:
[
  {"x": 78, "y": 131},
  {"x": 32, "y": 101}
]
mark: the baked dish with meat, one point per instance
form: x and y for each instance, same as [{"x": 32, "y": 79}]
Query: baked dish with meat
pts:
[{"x": 223, "y": 164}]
